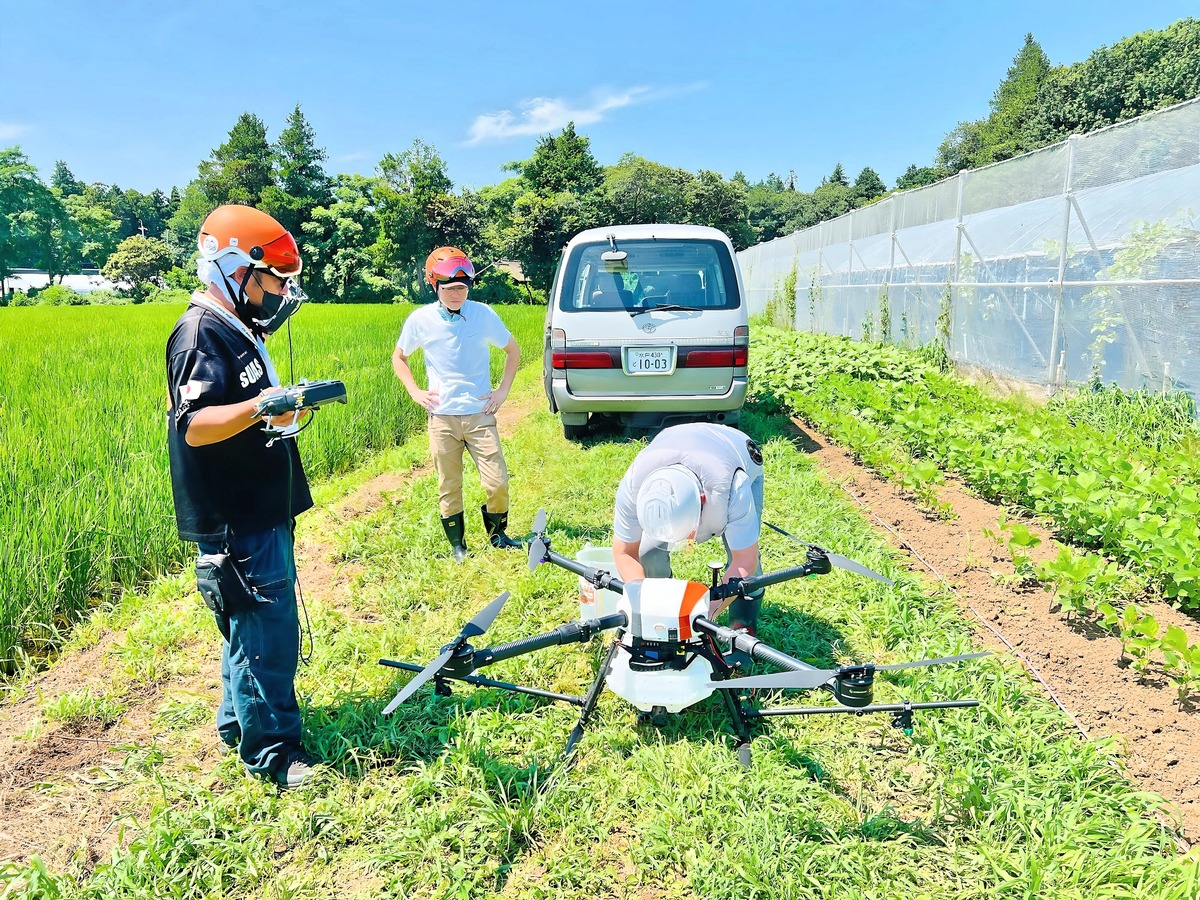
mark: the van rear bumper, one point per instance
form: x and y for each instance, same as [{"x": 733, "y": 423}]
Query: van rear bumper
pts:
[{"x": 732, "y": 399}]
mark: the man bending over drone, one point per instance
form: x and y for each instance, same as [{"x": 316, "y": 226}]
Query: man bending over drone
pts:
[{"x": 692, "y": 483}]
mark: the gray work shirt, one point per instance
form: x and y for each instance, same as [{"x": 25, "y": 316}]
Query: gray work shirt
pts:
[{"x": 727, "y": 463}]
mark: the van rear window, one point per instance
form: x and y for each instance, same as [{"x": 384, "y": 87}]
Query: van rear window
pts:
[{"x": 693, "y": 274}]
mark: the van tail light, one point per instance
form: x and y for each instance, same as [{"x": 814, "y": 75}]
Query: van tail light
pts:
[
  {"x": 714, "y": 357},
  {"x": 582, "y": 359},
  {"x": 709, "y": 359}
]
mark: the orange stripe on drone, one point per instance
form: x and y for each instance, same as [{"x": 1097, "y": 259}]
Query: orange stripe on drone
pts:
[{"x": 693, "y": 592}]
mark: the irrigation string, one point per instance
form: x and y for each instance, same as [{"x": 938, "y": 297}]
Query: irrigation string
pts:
[
  {"x": 958, "y": 597},
  {"x": 1182, "y": 845}
]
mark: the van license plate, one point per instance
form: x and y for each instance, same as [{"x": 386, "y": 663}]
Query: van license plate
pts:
[{"x": 650, "y": 361}]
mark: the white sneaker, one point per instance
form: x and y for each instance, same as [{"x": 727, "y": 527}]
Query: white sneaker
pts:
[{"x": 298, "y": 770}]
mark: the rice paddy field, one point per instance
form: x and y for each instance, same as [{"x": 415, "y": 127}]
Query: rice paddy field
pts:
[{"x": 85, "y": 495}]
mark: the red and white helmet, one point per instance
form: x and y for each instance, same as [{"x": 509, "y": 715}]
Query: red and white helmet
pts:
[
  {"x": 446, "y": 264},
  {"x": 253, "y": 236}
]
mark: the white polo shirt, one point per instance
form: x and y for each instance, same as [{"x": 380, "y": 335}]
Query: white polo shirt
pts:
[{"x": 457, "y": 356}]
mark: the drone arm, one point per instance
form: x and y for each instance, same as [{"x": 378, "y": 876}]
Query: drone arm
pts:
[
  {"x": 816, "y": 564},
  {"x": 752, "y": 646},
  {"x": 598, "y": 577},
  {"x": 570, "y": 633}
]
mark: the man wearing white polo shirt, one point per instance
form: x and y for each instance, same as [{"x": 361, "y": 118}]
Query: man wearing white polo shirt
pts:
[{"x": 455, "y": 334}]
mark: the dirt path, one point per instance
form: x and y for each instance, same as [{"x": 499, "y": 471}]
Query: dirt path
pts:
[
  {"x": 52, "y": 801},
  {"x": 1078, "y": 665}
]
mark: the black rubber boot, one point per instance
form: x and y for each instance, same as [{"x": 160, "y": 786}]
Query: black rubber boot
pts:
[
  {"x": 455, "y": 527},
  {"x": 495, "y": 523},
  {"x": 743, "y": 615}
]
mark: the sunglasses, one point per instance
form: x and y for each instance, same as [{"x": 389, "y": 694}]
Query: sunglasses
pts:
[
  {"x": 285, "y": 281},
  {"x": 454, "y": 267}
]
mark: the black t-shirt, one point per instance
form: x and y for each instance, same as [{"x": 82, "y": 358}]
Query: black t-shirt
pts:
[{"x": 239, "y": 482}]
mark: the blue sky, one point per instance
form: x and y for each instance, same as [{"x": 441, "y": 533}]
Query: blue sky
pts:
[{"x": 138, "y": 93}]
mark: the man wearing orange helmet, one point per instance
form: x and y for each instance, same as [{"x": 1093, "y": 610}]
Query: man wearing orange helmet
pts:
[
  {"x": 455, "y": 334},
  {"x": 237, "y": 488}
]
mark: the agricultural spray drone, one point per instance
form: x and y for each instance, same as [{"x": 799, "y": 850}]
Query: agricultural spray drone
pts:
[{"x": 665, "y": 655}]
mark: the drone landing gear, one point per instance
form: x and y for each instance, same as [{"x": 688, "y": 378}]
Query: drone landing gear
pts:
[
  {"x": 737, "y": 714},
  {"x": 591, "y": 698}
]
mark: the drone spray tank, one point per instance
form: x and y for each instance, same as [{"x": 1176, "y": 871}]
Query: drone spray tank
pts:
[{"x": 659, "y": 667}]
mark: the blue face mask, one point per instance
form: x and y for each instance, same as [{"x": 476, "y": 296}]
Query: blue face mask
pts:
[{"x": 449, "y": 315}]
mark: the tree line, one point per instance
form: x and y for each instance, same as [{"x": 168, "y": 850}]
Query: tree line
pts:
[{"x": 365, "y": 237}]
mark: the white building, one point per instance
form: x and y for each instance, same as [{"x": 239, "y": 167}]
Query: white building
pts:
[{"x": 85, "y": 283}]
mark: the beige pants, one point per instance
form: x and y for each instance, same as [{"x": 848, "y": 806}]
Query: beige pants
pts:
[{"x": 477, "y": 434}]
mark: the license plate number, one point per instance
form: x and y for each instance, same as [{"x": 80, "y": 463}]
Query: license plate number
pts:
[{"x": 650, "y": 361}]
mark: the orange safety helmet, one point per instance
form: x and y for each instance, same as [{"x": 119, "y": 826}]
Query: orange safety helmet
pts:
[
  {"x": 446, "y": 264},
  {"x": 253, "y": 236}
]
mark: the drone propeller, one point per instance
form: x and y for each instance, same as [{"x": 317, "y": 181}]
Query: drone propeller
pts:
[
  {"x": 807, "y": 679},
  {"x": 482, "y": 622},
  {"x": 537, "y": 547},
  {"x": 835, "y": 559}
]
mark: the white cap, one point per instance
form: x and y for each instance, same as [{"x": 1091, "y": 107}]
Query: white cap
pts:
[{"x": 668, "y": 504}]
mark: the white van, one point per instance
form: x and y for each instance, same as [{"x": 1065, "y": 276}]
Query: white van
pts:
[{"x": 647, "y": 323}]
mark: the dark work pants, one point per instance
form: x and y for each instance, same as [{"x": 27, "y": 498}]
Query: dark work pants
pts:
[{"x": 258, "y": 658}]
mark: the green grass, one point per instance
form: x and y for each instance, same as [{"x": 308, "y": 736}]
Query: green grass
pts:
[
  {"x": 464, "y": 796},
  {"x": 85, "y": 496},
  {"x": 79, "y": 708}
]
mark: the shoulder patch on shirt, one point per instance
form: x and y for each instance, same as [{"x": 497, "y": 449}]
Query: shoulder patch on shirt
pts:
[
  {"x": 191, "y": 390},
  {"x": 754, "y": 451}
]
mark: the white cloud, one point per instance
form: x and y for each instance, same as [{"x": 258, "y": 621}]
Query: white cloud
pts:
[
  {"x": 10, "y": 131},
  {"x": 542, "y": 115}
]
